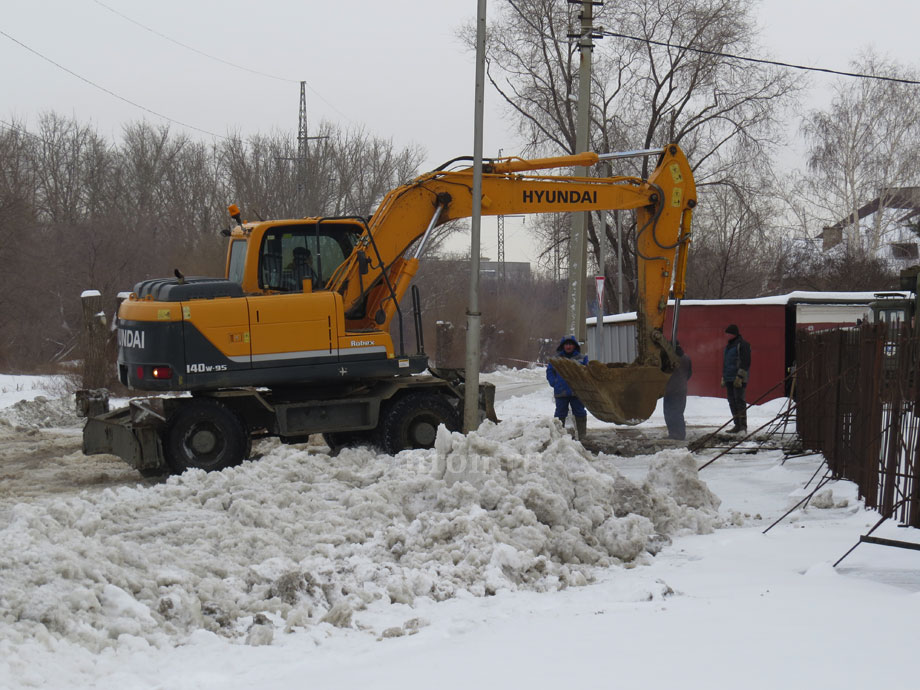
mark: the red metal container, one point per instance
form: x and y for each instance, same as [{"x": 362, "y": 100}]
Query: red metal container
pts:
[
  {"x": 767, "y": 323},
  {"x": 702, "y": 335}
]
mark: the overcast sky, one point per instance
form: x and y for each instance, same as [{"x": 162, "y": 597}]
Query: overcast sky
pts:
[{"x": 394, "y": 67}]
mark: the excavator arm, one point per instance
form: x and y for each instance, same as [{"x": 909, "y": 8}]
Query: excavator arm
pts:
[{"x": 377, "y": 275}]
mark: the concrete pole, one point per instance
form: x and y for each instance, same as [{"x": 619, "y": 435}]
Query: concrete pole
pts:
[
  {"x": 616, "y": 219},
  {"x": 600, "y": 334},
  {"x": 473, "y": 316},
  {"x": 578, "y": 248}
]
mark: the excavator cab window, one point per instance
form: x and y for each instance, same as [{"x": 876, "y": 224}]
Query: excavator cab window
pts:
[
  {"x": 237, "y": 261},
  {"x": 292, "y": 253}
]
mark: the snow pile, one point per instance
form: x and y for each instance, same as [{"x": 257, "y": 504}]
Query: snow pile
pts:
[
  {"x": 300, "y": 539},
  {"x": 36, "y": 402},
  {"x": 503, "y": 375},
  {"x": 41, "y": 412}
]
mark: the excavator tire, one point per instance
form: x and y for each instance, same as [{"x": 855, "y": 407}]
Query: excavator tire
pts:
[
  {"x": 616, "y": 393},
  {"x": 206, "y": 435},
  {"x": 412, "y": 421}
]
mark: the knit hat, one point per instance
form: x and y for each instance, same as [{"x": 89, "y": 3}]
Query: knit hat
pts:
[{"x": 733, "y": 329}]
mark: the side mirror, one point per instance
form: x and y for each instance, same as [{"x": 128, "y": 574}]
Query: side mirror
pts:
[{"x": 363, "y": 262}]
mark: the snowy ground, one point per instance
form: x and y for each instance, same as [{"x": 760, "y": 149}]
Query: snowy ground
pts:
[{"x": 512, "y": 558}]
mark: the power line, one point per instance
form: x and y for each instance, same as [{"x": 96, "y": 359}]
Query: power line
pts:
[
  {"x": 218, "y": 59},
  {"x": 20, "y": 130},
  {"x": 108, "y": 91},
  {"x": 787, "y": 65},
  {"x": 188, "y": 47}
]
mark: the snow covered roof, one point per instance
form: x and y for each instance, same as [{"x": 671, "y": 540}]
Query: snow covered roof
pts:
[{"x": 797, "y": 296}]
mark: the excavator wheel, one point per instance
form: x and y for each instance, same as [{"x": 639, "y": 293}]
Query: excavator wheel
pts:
[
  {"x": 206, "y": 435},
  {"x": 412, "y": 421}
]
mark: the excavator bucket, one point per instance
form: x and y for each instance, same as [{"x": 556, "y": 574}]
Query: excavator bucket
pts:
[{"x": 618, "y": 393}]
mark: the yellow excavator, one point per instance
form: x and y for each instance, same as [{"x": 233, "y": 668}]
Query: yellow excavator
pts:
[{"x": 295, "y": 339}]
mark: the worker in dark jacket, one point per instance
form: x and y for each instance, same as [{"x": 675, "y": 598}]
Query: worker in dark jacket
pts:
[
  {"x": 736, "y": 365},
  {"x": 675, "y": 395},
  {"x": 565, "y": 398}
]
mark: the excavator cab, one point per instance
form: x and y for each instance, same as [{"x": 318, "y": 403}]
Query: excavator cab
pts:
[{"x": 290, "y": 255}]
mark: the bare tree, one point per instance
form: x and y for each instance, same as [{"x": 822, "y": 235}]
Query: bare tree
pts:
[
  {"x": 368, "y": 167},
  {"x": 862, "y": 147},
  {"x": 740, "y": 249},
  {"x": 67, "y": 157},
  {"x": 344, "y": 173},
  {"x": 80, "y": 211},
  {"x": 669, "y": 85}
]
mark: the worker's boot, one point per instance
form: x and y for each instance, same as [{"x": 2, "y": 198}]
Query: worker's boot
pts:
[
  {"x": 566, "y": 430},
  {"x": 738, "y": 427},
  {"x": 742, "y": 421},
  {"x": 581, "y": 426}
]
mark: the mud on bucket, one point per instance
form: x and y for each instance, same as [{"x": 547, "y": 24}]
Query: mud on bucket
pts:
[{"x": 617, "y": 393}]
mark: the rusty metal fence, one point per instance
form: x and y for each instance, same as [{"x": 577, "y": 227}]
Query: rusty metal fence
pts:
[{"x": 858, "y": 404}]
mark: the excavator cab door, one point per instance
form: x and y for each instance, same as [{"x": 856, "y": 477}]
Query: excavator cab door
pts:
[{"x": 295, "y": 321}]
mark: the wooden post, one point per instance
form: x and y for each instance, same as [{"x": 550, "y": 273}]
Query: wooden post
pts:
[{"x": 94, "y": 339}]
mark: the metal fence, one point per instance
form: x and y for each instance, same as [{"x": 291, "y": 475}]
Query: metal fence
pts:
[{"x": 857, "y": 403}]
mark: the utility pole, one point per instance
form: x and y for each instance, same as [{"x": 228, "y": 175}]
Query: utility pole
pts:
[
  {"x": 500, "y": 222},
  {"x": 600, "y": 334},
  {"x": 616, "y": 220},
  {"x": 473, "y": 316},
  {"x": 578, "y": 248},
  {"x": 557, "y": 250}
]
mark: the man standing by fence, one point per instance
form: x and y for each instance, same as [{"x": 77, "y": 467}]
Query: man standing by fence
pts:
[{"x": 736, "y": 365}]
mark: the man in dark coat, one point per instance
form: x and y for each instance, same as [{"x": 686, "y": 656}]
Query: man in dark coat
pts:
[
  {"x": 675, "y": 396},
  {"x": 736, "y": 365},
  {"x": 565, "y": 398}
]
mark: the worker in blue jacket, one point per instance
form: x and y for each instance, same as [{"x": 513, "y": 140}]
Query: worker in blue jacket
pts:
[
  {"x": 565, "y": 398},
  {"x": 736, "y": 366}
]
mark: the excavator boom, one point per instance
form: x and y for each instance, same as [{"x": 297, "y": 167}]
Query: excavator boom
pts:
[{"x": 663, "y": 204}]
